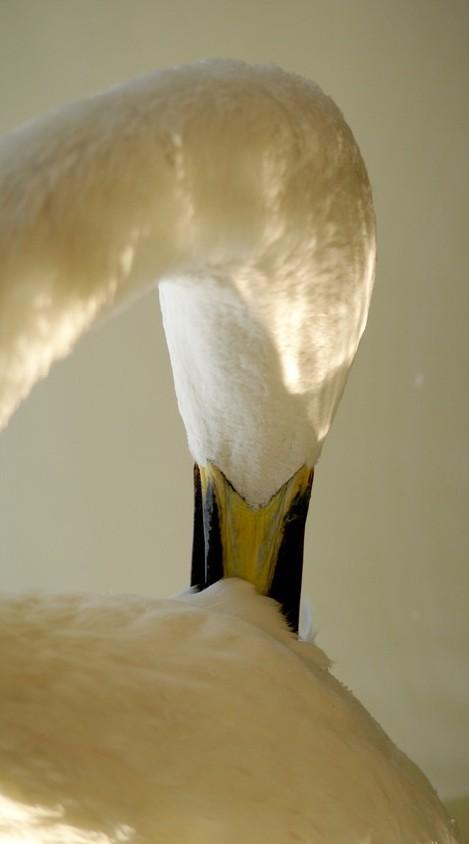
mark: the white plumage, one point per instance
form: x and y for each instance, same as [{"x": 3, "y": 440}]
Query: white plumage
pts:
[
  {"x": 245, "y": 188},
  {"x": 202, "y": 718}
]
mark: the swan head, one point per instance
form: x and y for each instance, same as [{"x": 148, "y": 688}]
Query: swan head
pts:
[
  {"x": 279, "y": 220},
  {"x": 239, "y": 191}
]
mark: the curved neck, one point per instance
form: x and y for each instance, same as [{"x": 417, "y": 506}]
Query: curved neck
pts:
[{"x": 215, "y": 170}]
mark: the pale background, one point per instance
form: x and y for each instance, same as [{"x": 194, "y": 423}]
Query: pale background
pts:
[{"x": 95, "y": 479}]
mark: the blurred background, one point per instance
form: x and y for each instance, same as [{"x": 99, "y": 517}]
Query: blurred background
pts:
[{"x": 95, "y": 477}]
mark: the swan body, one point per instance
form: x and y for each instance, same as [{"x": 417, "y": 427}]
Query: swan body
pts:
[
  {"x": 199, "y": 719},
  {"x": 202, "y": 718}
]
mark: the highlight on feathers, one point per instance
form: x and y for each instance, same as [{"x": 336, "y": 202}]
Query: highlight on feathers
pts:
[
  {"x": 241, "y": 192},
  {"x": 202, "y": 718}
]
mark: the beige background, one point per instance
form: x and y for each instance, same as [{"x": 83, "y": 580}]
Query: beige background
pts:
[{"x": 95, "y": 479}]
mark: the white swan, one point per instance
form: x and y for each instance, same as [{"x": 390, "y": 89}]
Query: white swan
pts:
[{"x": 202, "y": 718}]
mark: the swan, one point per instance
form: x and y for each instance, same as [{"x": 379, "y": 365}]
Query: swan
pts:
[{"x": 240, "y": 192}]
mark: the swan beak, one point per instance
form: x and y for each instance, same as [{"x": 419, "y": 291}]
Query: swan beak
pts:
[{"x": 263, "y": 545}]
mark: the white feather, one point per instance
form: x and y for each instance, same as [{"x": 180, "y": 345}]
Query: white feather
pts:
[
  {"x": 197, "y": 720},
  {"x": 200, "y": 719},
  {"x": 244, "y": 190}
]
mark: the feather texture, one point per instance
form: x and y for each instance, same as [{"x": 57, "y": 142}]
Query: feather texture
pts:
[
  {"x": 200, "y": 719},
  {"x": 243, "y": 190}
]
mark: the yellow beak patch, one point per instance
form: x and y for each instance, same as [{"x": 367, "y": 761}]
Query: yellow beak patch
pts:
[{"x": 263, "y": 545}]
